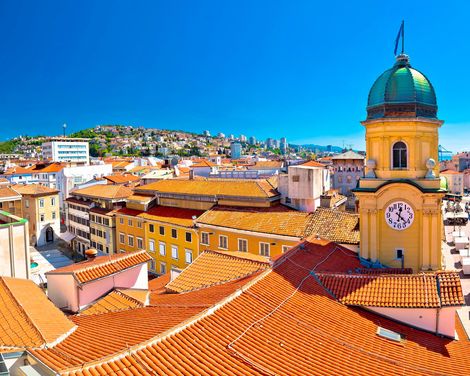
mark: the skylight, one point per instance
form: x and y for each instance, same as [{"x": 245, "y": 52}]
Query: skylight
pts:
[{"x": 385, "y": 333}]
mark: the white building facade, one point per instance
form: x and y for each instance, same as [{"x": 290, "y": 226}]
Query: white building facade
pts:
[{"x": 73, "y": 150}]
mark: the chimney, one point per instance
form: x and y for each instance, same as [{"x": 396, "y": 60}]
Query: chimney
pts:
[{"x": 91, "y": 254}]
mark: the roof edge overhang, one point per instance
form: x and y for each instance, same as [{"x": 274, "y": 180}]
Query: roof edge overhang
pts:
[{"x": 399, "y": 181}]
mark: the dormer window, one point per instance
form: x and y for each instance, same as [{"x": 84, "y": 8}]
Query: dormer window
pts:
[{"x": 399, "y": 155}]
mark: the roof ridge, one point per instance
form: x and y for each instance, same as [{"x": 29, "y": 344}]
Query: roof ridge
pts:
[
  {"x": 135, "y": 300},
  {"x": 23, "y": 310}
]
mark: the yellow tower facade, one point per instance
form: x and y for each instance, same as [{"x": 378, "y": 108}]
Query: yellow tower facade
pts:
[{"x": 400, "y": 196}]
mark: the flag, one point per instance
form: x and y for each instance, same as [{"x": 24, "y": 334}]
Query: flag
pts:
[{"x": 400, "y": 34}]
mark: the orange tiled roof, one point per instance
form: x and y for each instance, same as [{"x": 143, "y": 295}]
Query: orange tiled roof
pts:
[
  {"x": 17, "y": 170},
  {"x": 27, "y": 317},
  {"x": 103, "y": 266},
  {"x": 287, "y": 324},
  {"x": 397, "y": 291},
  {"x": 214, "y": 187},
  {"x": 34, "y": 189},
  {"x": 335, "y": 225},
  {"x": 7, "y": 192},
  {"x": 117, "y": 300},
  {"x": 312, "y": 164},
  {"x": 278, "y": 220},
  {"x": 213, "y": 267},
  {"x": 52, "y": 167},
  {"x": 121, "y": 179},
  {"x": 104, "y": 191},
  {"x": 203, "y": 163},
  {"x": 167, "y": 214}
]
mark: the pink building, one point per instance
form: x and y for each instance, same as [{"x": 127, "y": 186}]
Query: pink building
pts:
[{"x": 74, "y": 287}]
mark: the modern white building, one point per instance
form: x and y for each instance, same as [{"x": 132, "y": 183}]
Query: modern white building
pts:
[
  {"x": 62, "y": 149},
  {"x": 454, "y": 180}
]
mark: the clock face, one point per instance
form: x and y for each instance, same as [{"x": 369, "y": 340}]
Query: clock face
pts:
[{"x": 399, "y": 215}]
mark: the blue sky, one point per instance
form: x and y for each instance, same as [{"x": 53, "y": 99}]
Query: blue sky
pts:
[{"x": 300, "y": 69}]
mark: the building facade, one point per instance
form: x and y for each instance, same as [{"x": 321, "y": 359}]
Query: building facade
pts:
[
  {"x": 347, "y": 169},
  {"x": 41, "y": 209},
  {"x": 14, "y": 246},
  {"x": 400, "y": 196},
  {"x": 73, "y": 150}
]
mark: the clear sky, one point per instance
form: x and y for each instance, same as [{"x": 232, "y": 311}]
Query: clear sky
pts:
[{"x": 300, "y": 69}]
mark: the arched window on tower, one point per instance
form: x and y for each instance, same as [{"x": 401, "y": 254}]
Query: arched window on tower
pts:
[{"x": 399, "y": 155}]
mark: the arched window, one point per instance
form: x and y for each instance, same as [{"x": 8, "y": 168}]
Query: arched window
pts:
[{"x": 399, "y": 155}]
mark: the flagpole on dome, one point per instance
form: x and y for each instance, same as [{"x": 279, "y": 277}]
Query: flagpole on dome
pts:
[
  {"x": 402, "y": 37},
  {"x": 402, "y": 58}
]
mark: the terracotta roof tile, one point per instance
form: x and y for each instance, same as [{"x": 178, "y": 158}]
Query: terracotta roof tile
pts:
[
  {"x": 27, "y": 317},
  {"x": 335, "y": 225},
  {"x": 283, "y": 323},
  {"x": 105, "y": 191},
  {"x": 312, "y": 164},
  {"x": 34, "y": 189},
  {"x": 7, "y": 192},
  {"x": 52, "y": 167},
  {"x": 103, "y": 266},
  {"x": 121, "y": 179},
  {"x": 117, "y": 300},
  {"x": 278, "y": 220},
  {"x": 378, "y": 271},
  {"x": 398, "y": 291},
  {"x": 214, "y": 267},
  {"x": 213, "y": 187}
]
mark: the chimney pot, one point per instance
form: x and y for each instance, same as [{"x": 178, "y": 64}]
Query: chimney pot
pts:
[{"x": 91, "y": 253}]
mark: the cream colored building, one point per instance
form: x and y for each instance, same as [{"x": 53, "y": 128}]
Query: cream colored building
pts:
[
  {"x": 454, "y": 180},
  {"x": 41, "y": 209},
  {"x": 14, "y": 246}
]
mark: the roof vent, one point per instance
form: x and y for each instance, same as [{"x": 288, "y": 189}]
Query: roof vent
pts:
[
  {"x": 91, "y": 253},
  {"x": 388, "y": 334}
]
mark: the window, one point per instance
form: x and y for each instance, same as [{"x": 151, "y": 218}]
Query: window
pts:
[
  {"x": 121, "y": 221},
  {"x": 162, "y": 268},
  {"x": 242, "y": 245},
  {"x": 399, "y": 253},
  {"x": 52, "y": 201},
  {"x": 139, "y": 224},
  {"x": 53, "y": 215},
  {"x": 121, "y": 238},
  {"x": 296, "y": 178},
  {"x": 385, "y": 333},
  {"x": 188, "y": 237},
  {"x": 41, "y": 203},
  {"x": 162, "y": 230},
  {"x": 188, "y": 256},
  {"x": 129, "y": 222},
  {"x": 26, "y": 203},
  {"x": 174, "y": 233},
  {"x": 349, "y": 179},
  {"x": 151, "y": 228},
  {"x": 42, "y": 218},
  {"x": 223, "y": 241},
  {"x": 340, "y": 179},
  {"x": 264, "y": 249},
  {"x": 130, "y": 240},
  {"x": 285, "y": 248},
  {"x": 205, "y": 238},
  {"x": 399, "y": 155},
  {"x": 151, "y": 245},
  {"x": 174, "y": 252},
  {"x": 152, "y": 265},
  {"x": 162, "y": 248},
  {"x": 140, "y": 243}
]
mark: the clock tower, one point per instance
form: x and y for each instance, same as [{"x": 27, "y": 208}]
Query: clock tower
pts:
[{"x": 400, "y": 196}]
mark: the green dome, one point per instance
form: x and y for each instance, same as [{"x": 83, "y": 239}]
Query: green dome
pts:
[{"x": 402, "y": 91}]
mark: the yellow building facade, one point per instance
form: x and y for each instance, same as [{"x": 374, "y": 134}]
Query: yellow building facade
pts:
[{"x": 400, "y": 197}]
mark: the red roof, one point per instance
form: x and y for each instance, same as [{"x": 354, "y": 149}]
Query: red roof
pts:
[
  {"x": 287, "y": 324},
  {"x": 103, "y": 266}
]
